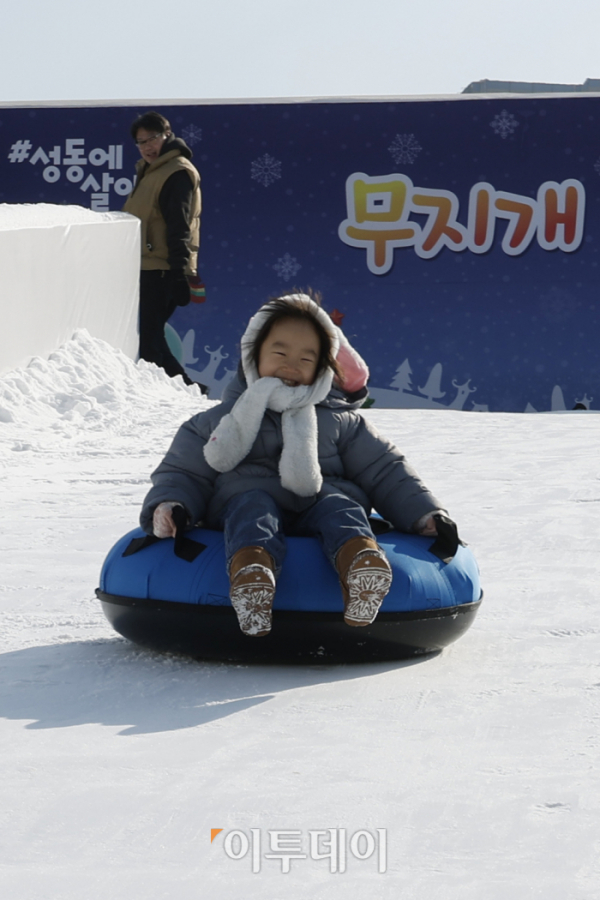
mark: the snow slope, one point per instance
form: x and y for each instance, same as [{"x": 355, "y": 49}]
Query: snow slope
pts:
[{"x": 481, "y": 762}]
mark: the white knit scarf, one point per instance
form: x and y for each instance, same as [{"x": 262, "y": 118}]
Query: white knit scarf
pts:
[{"x": 234, "y": 436}]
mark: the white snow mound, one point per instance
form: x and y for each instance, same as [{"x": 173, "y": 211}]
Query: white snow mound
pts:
[{"x": 89, "y": 384}]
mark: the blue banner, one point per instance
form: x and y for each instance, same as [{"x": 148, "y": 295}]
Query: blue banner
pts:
[{"x": 454, "y": 240}]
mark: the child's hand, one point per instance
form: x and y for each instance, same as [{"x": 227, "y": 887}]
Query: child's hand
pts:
[
  {"x": 426, "y": 525},
  {"x": 162, "y": 520},
  {"x": 429, "y": 529}
]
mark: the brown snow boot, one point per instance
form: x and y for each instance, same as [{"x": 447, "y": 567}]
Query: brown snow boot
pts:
[
  {"x": 252, "y": 589},
  {"x": 365, "y": 577}
]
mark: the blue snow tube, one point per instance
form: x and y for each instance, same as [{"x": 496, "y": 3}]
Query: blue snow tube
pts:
[{"x": 180, "y": 604}]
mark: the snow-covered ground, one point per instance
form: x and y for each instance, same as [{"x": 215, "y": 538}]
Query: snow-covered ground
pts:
[{"x": 481, "y": 763}]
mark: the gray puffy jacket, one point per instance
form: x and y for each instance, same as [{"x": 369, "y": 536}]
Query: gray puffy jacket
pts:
[{"x": 354, "y": 459}]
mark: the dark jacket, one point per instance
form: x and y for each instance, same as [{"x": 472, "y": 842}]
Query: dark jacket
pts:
[{"x": 353, "y": 456}]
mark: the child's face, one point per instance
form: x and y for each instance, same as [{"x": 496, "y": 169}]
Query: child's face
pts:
[{"x": 290, "y": 351}]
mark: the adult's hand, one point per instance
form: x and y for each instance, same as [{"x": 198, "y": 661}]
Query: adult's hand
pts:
[{"x": 178, "y": 289}]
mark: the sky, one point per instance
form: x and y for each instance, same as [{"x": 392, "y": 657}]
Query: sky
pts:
[{"x": 128, "y": 49}]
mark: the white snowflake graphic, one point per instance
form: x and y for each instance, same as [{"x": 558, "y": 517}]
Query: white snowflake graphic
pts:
[
  {"x": 191, "y": 134},
  {"x": 597, "y": 166},
  {"x": 287, "y": 266},
  {"x": 504, "y": 124},
  {"x": 405, "y": 148},
  {"x": 265, "y": 170}
]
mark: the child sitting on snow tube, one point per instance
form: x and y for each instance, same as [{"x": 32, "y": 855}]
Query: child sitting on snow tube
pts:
[{"x": 288, "y": 453}]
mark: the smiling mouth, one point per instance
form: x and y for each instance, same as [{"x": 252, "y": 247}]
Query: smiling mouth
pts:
[{"x": 289, "y": 383}]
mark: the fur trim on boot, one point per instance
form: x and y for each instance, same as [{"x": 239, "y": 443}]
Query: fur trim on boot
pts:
[
  {"x": 252, "y": 589},
  {"x": 365, "y": 577}
]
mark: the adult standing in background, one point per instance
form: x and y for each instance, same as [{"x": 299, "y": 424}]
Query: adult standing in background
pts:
[{"x": 167, "y": 199}]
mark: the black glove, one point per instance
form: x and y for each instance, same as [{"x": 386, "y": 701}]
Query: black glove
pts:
[
  {"x": 447, "y": 541},
  {"x": 178, "y": 288}
]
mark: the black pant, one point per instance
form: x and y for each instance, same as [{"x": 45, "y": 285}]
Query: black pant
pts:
[{"x": 155, "y": 311}]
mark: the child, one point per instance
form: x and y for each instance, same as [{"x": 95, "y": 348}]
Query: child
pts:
[{"x": 290, "y": 455}]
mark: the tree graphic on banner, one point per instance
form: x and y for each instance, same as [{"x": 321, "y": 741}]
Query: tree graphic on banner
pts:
[{"x": 402, "y": 380}]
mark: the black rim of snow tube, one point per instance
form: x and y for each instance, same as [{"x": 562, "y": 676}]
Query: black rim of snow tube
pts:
[{"x": 212, "y": 632}]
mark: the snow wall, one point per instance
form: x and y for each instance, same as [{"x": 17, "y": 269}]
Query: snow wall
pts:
[
  {"x": 456, "y": 239},
  {"x": 63, "y": 268}
]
